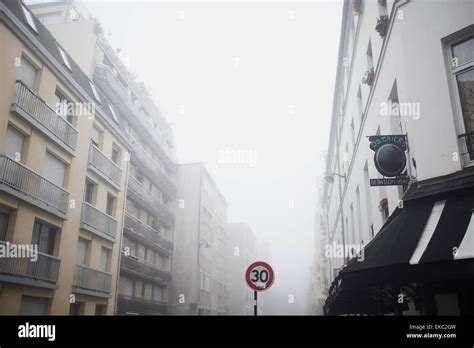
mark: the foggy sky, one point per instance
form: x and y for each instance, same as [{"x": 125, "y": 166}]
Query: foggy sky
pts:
[{"x": 247, "y": 76}]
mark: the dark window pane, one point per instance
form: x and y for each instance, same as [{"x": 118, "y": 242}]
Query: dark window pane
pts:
[
  {"x": 43, "y": 236},
  {"x": 3, "y": 225},
  {"x": 89, "y": 190},
  {"x": 110, "y": 205}
]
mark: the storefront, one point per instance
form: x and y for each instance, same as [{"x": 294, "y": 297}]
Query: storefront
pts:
[{"x": 422, "y": 260}]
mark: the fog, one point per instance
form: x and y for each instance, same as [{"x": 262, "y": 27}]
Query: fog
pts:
[{"x": 247, "y": 88}]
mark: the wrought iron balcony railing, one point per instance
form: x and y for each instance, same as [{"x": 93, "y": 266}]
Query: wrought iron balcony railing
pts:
[
  {"x": 25, "y": 184},
  {"x": 30, "y": 106}
]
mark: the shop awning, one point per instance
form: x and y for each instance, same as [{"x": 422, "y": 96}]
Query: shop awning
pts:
[{"x": 431, "y": 238}]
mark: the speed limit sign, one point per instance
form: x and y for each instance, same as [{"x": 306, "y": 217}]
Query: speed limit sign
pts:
[{"x": 259, "y": 276}]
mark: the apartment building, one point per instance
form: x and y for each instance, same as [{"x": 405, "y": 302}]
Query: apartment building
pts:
[
  {"x": 199, "y": 260},
  {"x": 145, "y": 264},
  {"x": 405, "y": 70},
  {"x": 63, "y": 171},
  {"x": 242, "y": 250}
]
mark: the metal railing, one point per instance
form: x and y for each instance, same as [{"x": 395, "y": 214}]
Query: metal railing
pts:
[
  {"x": 140, "y": 305},
  {"x": 148, "y": 197},
  {"x": 147, "y": 232},
  {"x": 91, "y": 279},
  {"x": 93, "y": 217},
  {"x": 164, "y": 180},
  {"x": 105, "y": 165},
  {"x": 34, "y": 106},
  {"x": 146, "y": 268},
  {"x": 22, "y": 179},
  {"x": 103, "y": 72},
  {"x": 469, "y": 143},
  {"x": 45, "y": 268}
]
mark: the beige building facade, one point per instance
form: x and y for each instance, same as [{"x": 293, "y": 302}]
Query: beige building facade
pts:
[{"x": 63, "y": 173}]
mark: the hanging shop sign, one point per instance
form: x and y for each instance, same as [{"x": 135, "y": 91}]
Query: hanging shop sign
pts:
[{"x": 390, "y": 159}]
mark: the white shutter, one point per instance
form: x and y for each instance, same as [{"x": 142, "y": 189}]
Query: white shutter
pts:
[
  {"x": 81, "y": 252},
  {"x": 13, "y": 142},
  {"x": 54, "y": 169},
  {"x": 27, "y": 73}
]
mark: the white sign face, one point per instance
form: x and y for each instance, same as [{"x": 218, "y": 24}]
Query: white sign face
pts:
[{"x": 259, "y": 276}]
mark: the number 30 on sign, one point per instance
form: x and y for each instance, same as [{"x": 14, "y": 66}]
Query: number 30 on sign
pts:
[{"x": 259, "y": 276}]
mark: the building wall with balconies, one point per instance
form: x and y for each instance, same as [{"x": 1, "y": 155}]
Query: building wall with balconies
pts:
[
  {"x": 31, "y": 194},
  {"x": 149, "y": 220}
]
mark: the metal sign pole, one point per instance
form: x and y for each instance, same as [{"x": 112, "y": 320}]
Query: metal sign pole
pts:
[{"x": 255, "y": 305}]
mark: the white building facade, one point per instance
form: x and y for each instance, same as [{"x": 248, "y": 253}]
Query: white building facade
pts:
[{"x": 412, "y": 76}]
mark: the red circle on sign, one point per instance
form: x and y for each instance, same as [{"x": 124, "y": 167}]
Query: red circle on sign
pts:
[{"x": 269, "y": 281}]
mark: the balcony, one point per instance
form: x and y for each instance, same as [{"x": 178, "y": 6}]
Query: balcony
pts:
[
  {"x": 21, "y": 182},
  {"x": 158, "y": 175},
  {"x": 110, "y": 84},
  {"x": 89, "y": 281},
  {"x": 97, "y": 222},
  {"x": 143, "y": 269},
  {"x": 141, "y": 193},
  {"x": 21, "y": 270},
  {"x": 36, "y": 112},
  {"x": 147, "y": 234},
  {"x": 127, "y": 304},
  {"x": 104, "y": 167}
]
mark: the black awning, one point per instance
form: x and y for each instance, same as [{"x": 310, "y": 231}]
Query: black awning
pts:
[{"x": 430, "y": 239}]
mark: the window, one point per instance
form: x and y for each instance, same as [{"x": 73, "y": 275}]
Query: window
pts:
[
  {"x": 54, "y": 169},
  {"x": 110, "y": 205},
  {"x": 29, "y": 18},
  {"x": 114, "y": 115},
  {"x": 33, "y": 305},
  {"x": 462, "y": 68},
  {"x": 94, "y": 91},
  {"x": 157, "y": 293},
  {"x": 14, "y": 143},
  {"x": 81, "y": 251},
  {"x": 3, "y": 225},
  {"x": 463, "y": 52},
  {"x": 64, "y": 57},
  {"x": 43, "y": 236},
  {"x": 76, "y": 308},
  {"x": 127, "y": 286},
  {"x": 100, "y": 309},
  {"x": 62, "y": 106},
  {"x": 465, "y": 81},
  {"x": 95, "y": 136},
  {"x": 89, "y": 192},
  {"x": 104, "y": 259},
  {"x": 148, "y": 291},
  {"x": 115, "y": 155},
  {"x": 27, "y": 73}
]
